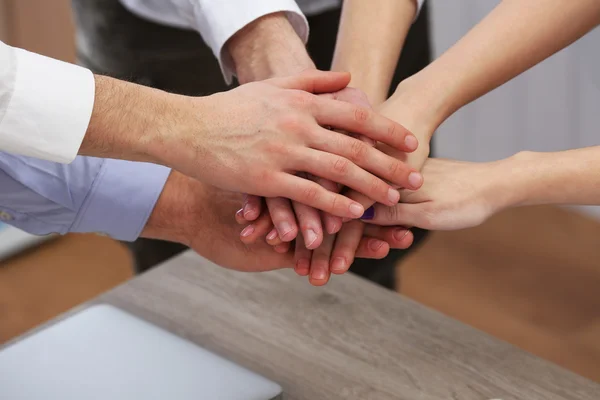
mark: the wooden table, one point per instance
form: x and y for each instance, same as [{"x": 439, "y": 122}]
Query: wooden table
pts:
[{"x": 350, "y": 339}]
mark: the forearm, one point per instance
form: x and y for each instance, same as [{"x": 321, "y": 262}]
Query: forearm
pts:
[
  {"x": 567, "y": 177},
  {"x": 515, "y": 36},
  {"x": 370, "y": 39},
  {"x": 132, "y": 122},
  {"x": 266, "y": 48}
]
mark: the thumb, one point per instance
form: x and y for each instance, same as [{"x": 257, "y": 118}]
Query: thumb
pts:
[
  {"x": 315, "y": 81},
  {"x": 400, "y": 214}
]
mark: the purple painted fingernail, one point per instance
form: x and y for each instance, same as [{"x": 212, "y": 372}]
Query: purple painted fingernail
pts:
[{"x": 369, "y": 213}]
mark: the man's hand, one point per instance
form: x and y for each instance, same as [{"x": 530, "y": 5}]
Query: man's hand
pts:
[
  {"x": 202, "y": 217},
  {"x": 253, "y": 139}
]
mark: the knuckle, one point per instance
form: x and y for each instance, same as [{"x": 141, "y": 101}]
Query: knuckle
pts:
[
  {"x": 392, "y": 130},
  {"x": 311, "y": 194},
  {"x": 341, "y": 166},
  {"x": 358, "y": 150},
  {"x": 290, "y": 122},
  {"x": 362, "y": 114},
  {"x": 300, "y": 99},
  {"x": 396, "y": 168},
  {"x": 393, "y": 214},
  {"x": 378, "y": 187}
]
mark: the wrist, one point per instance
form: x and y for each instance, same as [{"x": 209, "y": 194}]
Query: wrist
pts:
[
  {"x": 425, "y": 105},
  {"x": 511, "y": 183},
  {"x": 267, "y": 48},
  {"x": 177, "y": 215}
]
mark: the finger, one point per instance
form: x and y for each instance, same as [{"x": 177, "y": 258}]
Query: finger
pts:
[
  {"x": 239, "y": 217},
  {"x": 273, "y": 238},
  {"x": 309, "y": 221},
  {"x": 345, "y": 247},
  {"x": 252, "y": 207},
  {"x": 257, "y": 230},
  {"x": 400, "y": 214},
  {"x": 283, "y": 247},
  {"x": 367, "y": 157},
  {"x": 314, "y": 81},
  {"x": 312, "y": 194},
  {"x": 283, "y": 218},
  {"x": 302, "y": 257},
  {"x": 341, "y": 170},
  {"x": 319, "y": 264},
  {"x": 331, "y": 223},
  {"x": 364, "y": 121},
  {"x": 372, "y": 248},
  {"x": 398, "y": 237}
]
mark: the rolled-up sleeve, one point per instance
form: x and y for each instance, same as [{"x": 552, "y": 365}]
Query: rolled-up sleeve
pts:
[
  {"x": 106, "y": 196},
  {"x": 45, "y": 105},
  {"x": 217, "y": 20}
]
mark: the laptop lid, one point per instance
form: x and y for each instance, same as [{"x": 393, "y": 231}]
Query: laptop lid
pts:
[{"x": 105, "y": 353}]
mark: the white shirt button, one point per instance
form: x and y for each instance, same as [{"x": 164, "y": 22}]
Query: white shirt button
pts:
[{"x": 4, "y": 216}]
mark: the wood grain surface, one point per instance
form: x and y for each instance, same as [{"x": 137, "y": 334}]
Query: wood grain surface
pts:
[{"x": 349, "y": 340}]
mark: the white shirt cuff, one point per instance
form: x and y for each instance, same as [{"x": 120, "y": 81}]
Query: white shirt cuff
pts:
[
  {"x": 49, "y": 110},
  {"x": 219, "y": 22}
]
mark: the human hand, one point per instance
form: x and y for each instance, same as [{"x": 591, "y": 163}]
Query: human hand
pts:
[
  {"x": 456, "y": 195},
  {"x": 309, "y": 219},
  {"x": 275, "y": 130},
  {"x": 202, "y": 217}
]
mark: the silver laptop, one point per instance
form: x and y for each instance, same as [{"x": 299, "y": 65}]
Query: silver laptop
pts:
[{"x": 104, "y": 353}]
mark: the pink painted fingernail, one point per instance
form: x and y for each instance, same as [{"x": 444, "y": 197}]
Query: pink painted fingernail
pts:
[{"x": 249, "y": 230}]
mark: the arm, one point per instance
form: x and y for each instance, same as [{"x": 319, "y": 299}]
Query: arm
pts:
[
  {"x": 87, "y": 195},
  {"x": 515, "y": 36},
  {"x": 218, "y": 21},
  {"x": 370, "y": 39},
  {"x": 567, "y": 177}
]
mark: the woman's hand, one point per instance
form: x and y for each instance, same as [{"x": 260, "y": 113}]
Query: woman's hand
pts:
[{"x": 456, "y": 195}]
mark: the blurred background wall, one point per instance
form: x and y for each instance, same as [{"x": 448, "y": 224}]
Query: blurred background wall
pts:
[{"x": 554, "y": 106}]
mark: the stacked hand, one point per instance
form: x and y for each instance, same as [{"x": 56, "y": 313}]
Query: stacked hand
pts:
[{"x": 317, "y": 255}]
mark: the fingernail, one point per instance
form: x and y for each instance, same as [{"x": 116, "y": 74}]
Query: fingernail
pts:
[
  {"x": 393, "y": 196},
  {"x": 411, "y": 142},
  {"x": 249, "y": 230},
  {"x": 247, "y": 211},
  {"x": 319, "y": 274},
  {"x": 375, "y": 244},
  {"x": 357, "y": 210},
  {"x": 369, "y": 213},
  {"x": 332, "y": 227},
  {"x": 338, "y": 265},
  {"x": 415, "y": 179},
  {"x": 311, "y": 237},
  {"x": 400, "y": 234},
  {"x": 240, "y": 213},
  {"x": 284, "y": 228},
  {"x": 302, "y": 267},
  {"x": 272, "y": 235}
]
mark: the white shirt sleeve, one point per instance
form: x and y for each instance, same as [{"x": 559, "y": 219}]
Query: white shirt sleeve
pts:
[
  {"x": 217, "y": 20},
  {"x": 45, "y": 105}
]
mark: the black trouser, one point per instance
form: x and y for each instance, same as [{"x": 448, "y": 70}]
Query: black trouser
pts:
[{"x": 113, "y": 41}]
